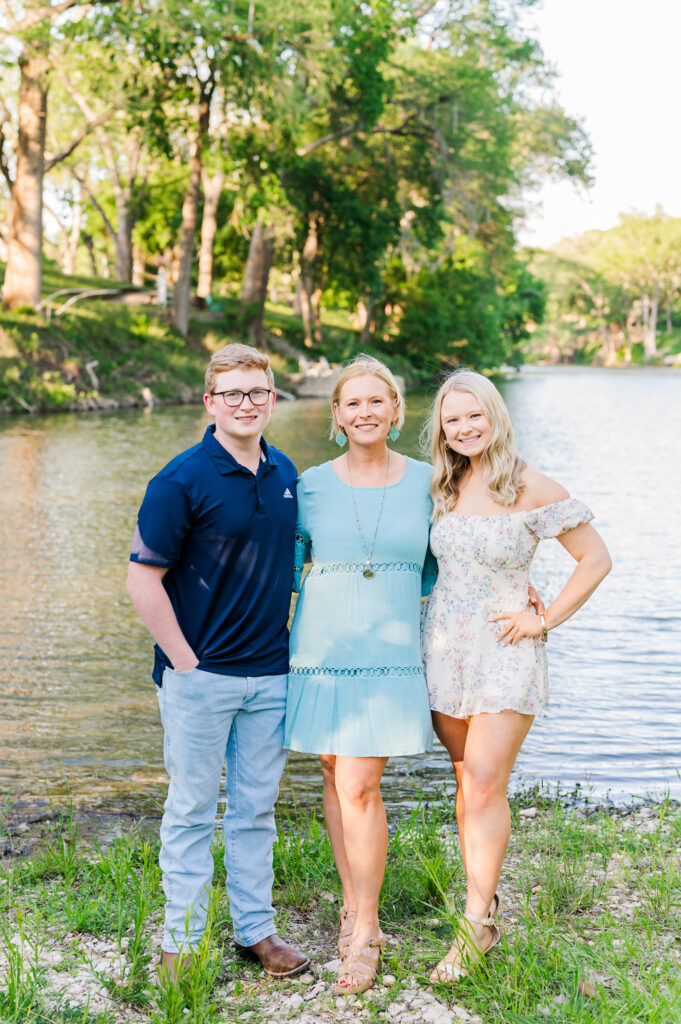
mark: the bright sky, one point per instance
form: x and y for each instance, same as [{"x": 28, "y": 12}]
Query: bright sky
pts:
[{"x": 619, "y": 66}]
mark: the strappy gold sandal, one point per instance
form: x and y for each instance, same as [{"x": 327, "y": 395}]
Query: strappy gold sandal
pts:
[
  {"x": 360, "y": 965},
  {"x": 466, "y": 954},
  {"x": 347, "y": 926}
]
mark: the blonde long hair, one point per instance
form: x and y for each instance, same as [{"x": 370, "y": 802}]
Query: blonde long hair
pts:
[
  {"x": 367, "y": 366},
  {"x": 502, "y": 467}
]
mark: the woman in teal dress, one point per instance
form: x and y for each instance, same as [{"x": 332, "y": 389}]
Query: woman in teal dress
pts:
[{"x": 357, "y": 694}]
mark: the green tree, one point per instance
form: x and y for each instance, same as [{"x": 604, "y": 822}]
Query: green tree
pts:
[{"x": 42, "y": 32}]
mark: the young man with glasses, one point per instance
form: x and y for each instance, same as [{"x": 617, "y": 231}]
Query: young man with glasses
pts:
[{"x": 211, "y": 574}]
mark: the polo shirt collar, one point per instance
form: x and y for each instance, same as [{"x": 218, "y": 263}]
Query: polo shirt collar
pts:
[{"x": 225, "y": 462}]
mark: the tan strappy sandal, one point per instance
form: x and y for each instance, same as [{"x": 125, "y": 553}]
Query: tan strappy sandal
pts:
[
  {"x": 347, "y": 926},
  {"x": 466, "y": 954},
  {"x": 360, "y": 965}
]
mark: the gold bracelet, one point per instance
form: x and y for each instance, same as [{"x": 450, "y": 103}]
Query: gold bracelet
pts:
[{"x": 544, "y": 634}]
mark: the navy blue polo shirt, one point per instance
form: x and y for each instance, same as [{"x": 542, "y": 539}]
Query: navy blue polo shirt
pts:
[{"x": 226, "y": 537}]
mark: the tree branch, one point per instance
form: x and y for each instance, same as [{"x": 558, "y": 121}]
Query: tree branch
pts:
[
  {"x": 38, "y": 14},
  {"x": 58, "y": 157},
  {"x": 52, "y": 213},
  {"x": 357, "y": 129},
  {"x": 90, "y": 195}
]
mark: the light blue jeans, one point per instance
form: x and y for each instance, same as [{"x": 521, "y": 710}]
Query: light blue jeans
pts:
[{"x": 209, "y": 719}]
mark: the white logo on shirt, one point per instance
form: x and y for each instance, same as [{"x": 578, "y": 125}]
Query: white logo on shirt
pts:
[{"x": 287, "y": 493}]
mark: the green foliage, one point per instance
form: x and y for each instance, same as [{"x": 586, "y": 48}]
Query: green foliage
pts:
[
  {"x": 303, "y": 864},
  {"x": 607, "y": 291},
  {"x": 382, "y": 132},
  {"x": 420, "y": 870},
  {"x": 460, "y": 313}
]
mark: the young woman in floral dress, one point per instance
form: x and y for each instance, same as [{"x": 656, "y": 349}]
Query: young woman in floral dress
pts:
[{"x": 483, "y": 650}]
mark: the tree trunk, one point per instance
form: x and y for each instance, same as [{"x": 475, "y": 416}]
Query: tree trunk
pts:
[
  {"x": 23, "y": 273},
  {"x": 123, "y": 237},
  {"x": 138, "y": 272},
  {"x": 190, "y": 209},
  {"x": 309, "y": 257},
  {"x": 297, "y": 298},
  {"x": 71, "y": 248},
  {"x": 317, "y": 314},
  {"x": 669, "y": 314},
  {"x": 650, "y": 329},
  {"x": 306, "y": 309},
  {"x": 256, "y": 275},
  {"x": 90, "y": 246},
  {"x": 368, "y": 325},
  {"x": 609, "y": 346},
  {"x": 212, "y": 190}
]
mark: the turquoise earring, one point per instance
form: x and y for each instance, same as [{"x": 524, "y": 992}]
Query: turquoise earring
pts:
[
  {"x": 393, "y": 433},
  {"x": 341, "y": 439}
]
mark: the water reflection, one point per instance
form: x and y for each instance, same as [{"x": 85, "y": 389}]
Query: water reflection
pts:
[{"x": 77, "y": 705}]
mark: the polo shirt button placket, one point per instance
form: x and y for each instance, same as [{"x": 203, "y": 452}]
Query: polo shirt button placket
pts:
[{"x": 259, "y": 506}]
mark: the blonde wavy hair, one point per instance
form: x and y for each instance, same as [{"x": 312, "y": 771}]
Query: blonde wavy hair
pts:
[
  {"x": 502, "y": 467},
  {"x": 366, "y": 366}
]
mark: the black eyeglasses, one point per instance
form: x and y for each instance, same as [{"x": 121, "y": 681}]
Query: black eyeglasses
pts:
[{"x": 258, "y": 396}]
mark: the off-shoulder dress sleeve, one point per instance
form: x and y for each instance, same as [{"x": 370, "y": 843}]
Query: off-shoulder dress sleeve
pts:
[{"x": 559, "y": 517}]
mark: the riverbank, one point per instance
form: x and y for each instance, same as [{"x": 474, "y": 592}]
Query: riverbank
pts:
[
  {"x": 590, "y": 917},
  {"x": 116, "y": 351}
]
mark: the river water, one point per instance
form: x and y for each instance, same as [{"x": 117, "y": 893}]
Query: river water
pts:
[{"x": 78, "y": 709}]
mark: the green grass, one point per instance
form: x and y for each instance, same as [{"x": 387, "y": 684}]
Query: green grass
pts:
[{"x": 588, "y": 897}]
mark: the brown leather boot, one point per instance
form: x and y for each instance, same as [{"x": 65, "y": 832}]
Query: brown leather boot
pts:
[{"x": 278, "y": 959}]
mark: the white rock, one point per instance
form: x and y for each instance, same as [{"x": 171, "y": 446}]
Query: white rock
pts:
[
  {"x": 307, "y": 978},
  {"x": 528, "y": 812},
  {"x": 332, "y": 965},
  {"x": 389, "y": 979},
  {"x": 460, "y": 1013},
  {"x": 316, "y": 991},
  {"x": 436, "y": 1014}
]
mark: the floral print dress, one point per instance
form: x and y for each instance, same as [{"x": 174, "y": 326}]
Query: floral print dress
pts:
[{"x": 484, "y": 569}]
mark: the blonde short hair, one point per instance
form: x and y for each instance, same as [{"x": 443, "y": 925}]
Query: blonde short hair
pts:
[
  {"x": 502, "y": 467},
  {"x": 233, "y": 356},
  {"x": 366, "y": 366}
]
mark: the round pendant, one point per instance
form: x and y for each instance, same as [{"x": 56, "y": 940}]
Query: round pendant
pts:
[{"x": 368, "y": 574}]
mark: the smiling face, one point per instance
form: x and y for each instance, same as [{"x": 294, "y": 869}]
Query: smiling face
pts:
[
  {"x": 464, "y": 424},
  {"x": 365, "y": 410},
  {"x": 240, "y": 424}
]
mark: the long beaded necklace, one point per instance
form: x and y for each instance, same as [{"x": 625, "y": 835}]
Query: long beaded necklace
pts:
[{"x": 368, "y": 572}]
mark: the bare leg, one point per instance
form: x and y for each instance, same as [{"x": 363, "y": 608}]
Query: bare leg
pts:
[
  {"x": 491, "y": 747},
  {"x": 460, "y": 809},
  {"x": 334, "y": 827},
  {"x": 365, "y": 834},
  {"x": 452, "y": 733}
]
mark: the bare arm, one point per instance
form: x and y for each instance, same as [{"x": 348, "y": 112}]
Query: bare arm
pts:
[
  {"x": 586, "y": 546},
  {"x": 149, "y": 597}
]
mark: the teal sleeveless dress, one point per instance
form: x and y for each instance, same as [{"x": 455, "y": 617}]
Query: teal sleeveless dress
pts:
[{"x": 356, "y": 686}]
